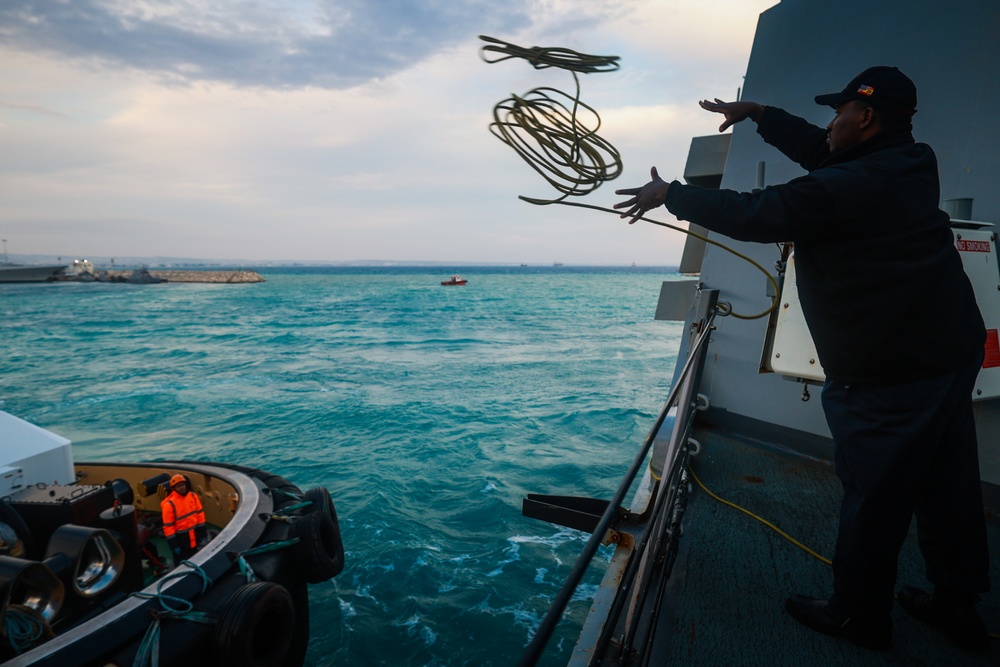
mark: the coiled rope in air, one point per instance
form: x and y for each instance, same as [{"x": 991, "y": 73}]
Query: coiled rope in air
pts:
[
  {"x": 549, "y": 135},
  {"x": 564, "y": 150}
]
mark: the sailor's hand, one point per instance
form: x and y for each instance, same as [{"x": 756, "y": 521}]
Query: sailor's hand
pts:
[
  {"x": 643, "y": 199},
  {"x": 733, "y": 111}
]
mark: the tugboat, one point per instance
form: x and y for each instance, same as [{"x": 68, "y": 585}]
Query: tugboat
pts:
[
  {"x": 82, "y": 581},
  {"x": 455, "y": 280}
]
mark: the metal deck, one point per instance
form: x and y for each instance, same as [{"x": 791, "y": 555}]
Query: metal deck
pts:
[
  {"x": 725, "y": 598},
  {"x": 696, "y": 581}
]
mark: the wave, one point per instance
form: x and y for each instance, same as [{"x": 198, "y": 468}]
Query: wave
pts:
[{"x": 428, "y": 414}]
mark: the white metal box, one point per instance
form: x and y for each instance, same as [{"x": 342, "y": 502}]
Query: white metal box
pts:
[
  {"x": 31, "y": 455},
  {"x": 977, "y": 244},
  {"x": 793, "y": 352}
]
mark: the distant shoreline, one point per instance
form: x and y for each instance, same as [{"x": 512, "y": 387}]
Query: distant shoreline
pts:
[{"x": 194, "y": 264}]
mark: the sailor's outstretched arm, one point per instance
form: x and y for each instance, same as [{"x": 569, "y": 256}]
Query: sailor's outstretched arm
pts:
[
  {"x": 643, "y": 199},
  {"x": 734, "y": 112}
]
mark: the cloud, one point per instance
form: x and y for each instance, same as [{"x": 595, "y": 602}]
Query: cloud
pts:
[
  {"x": 227, "y": 130},
  {"x": 289, "y": 44},
  {"x": 33, "y": 108}
]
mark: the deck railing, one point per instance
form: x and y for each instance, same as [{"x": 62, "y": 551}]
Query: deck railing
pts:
[{"x": 655, "y": 529}]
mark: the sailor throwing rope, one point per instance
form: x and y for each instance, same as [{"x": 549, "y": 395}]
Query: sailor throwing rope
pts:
[{"x": 899, "y": 334}]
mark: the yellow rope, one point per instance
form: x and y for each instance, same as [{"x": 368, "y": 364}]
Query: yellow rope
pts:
[
  {"x": 542, "y": 58},
  {"x": 761, "y": 519},
  {"x": 544, "y": 127},
  {"x": 723, "y": 246}
]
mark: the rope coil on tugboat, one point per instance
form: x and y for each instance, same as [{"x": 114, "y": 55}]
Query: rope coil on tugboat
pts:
[{"x": 560, "y": 147}]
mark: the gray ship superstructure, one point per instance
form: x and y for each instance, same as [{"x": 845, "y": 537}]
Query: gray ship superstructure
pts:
[{"x": 697, "y": 577}]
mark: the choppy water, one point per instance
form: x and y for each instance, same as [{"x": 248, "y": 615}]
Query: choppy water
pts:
[{"x": 429, "y": 412}]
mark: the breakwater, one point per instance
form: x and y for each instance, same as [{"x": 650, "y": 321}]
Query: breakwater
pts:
[{"x": 192, "y": 276}]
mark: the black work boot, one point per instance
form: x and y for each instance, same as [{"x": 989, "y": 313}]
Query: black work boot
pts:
[
  {"x": 816, "y": 614},
  {"x": 952, "y": 613}
]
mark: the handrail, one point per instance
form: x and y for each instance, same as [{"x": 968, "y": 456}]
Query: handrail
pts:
[{"x": 545, "y": 629}]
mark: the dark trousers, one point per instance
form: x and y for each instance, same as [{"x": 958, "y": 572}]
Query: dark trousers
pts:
[
  {"x": 903, "y": 450},
  {"x": 184, "y": 542}
]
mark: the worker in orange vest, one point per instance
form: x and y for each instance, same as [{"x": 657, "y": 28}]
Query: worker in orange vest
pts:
[{"x": 183, "y": 520}]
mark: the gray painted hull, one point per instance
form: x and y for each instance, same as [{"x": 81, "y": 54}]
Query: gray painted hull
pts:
[{"x": 23, "y": 273}]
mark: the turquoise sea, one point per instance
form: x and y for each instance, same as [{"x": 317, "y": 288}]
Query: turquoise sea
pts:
[{"x": 429, "y": 412}]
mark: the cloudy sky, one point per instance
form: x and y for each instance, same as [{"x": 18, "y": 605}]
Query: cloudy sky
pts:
[{"x": 332, "y": 130}]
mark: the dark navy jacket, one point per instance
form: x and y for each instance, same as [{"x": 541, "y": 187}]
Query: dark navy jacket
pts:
[{"x": 881, "y": 284}]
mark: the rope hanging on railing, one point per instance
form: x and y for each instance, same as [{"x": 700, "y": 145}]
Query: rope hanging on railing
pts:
[
  {"x": 544, "y": 126},
  {"x": 245, "y": 568},
  {"x": 171, "y": 606}
]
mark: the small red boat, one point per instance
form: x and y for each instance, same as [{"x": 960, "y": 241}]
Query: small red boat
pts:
[{"x": 455, "y": 280}]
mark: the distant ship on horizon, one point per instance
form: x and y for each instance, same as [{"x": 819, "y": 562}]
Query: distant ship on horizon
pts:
[{"x": 29, "y": 273}]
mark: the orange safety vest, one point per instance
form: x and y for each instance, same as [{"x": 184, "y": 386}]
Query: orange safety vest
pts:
[{"x": 182, "y": 513}]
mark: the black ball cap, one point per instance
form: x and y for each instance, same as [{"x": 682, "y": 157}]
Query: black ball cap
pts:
[{"x": 885, "y": 88}]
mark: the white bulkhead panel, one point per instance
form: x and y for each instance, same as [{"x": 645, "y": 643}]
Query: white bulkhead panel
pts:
[{"x": 794, "y": 353}]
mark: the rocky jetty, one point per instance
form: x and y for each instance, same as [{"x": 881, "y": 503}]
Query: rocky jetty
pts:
[
  {"x": 208, "y": 276},
  {"x": 191, "y": 276}
]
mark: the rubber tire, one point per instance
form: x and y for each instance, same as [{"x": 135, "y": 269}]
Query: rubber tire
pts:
[
  {"x": 319, "y": 553},
  {"x": 255, "y": 628},
  {"x": 320, "y": 501}
]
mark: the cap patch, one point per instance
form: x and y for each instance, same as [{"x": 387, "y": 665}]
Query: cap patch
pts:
[{"x": 867, "y": 91}]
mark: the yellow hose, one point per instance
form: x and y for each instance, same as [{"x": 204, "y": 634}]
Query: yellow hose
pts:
[{"x": 761, "y": 519}]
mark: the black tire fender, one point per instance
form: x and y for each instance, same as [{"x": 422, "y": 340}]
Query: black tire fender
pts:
[
  {"x": 320, "y": 501},
  {"x": 255, "y": 628},
  {"x": 319, "y": 553}
]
